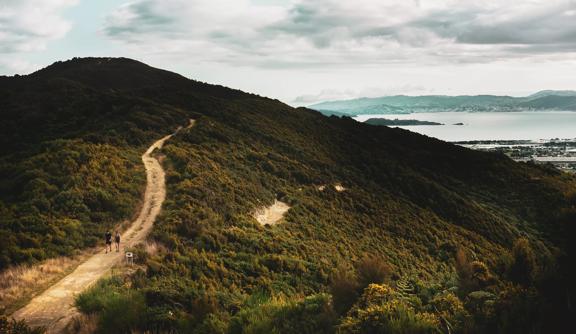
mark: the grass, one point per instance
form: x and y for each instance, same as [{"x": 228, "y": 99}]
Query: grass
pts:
[
  {"x": 83, "y": 324},
  {"x": 19, "y": 284},
  {"x": 119, "y": 309}
]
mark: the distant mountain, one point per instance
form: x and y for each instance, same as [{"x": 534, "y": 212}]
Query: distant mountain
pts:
[
  {"x": 544, "y": 93},
  {"x": 551, "y": 102},
  {"x": 399, "y": 122},
  {"x": 544, "y": 100}
]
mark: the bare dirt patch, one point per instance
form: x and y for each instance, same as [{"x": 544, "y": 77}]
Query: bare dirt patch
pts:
[
  {"x": 339, "y": 188},
  {"x": 273, "y": 214}
]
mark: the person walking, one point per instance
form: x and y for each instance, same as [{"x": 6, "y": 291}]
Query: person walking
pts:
[
  {"x": 108, "y": 237},
  {"x": 117, "y": 240}
]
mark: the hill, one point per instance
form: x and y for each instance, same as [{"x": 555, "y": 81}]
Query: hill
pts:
[
  {"x": 545, "y": 93},
  {"x": 443, "y": 232},
  {"x": 544, "y": 100},
  {"x": 400, "y": 122}
]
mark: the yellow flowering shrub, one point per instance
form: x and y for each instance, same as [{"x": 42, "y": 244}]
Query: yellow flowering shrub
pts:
[{"x": 380, "y": 310}]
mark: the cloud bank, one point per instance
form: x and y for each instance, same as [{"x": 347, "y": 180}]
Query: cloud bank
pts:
[
  {"x": 28, "y": 26},
  {"x": 343, "y": 33}
]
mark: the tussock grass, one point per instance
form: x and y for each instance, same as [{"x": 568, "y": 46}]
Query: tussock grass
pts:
[
  {"x": 152, "y": 248},
  {"x": 20, "y": 283},
  {"x": 83, "y": 324}
]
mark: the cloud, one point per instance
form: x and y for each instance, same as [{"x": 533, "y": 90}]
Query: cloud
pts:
[
  {"x": 17, "y": 66},
  {"x": 552, "y": 23},
  {"x": 324, "y": 95},
  {"x": 28, "y": 25},
  {"x": 347, "y": 94},
  {"x": 323, "y": 33}
]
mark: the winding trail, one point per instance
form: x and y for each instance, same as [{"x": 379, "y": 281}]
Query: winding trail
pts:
[{"x": 54, "y": 308}]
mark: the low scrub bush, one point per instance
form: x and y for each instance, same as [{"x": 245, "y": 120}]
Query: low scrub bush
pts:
[
  {"x": 372, "y": 269},
  {"x": 379, "y": 310},
  {"x": 119, "y": 309},
  {"x": 11, "y": 326}
]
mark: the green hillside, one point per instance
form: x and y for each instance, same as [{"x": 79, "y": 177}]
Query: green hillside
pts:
[{"x": 445, "y": 234}]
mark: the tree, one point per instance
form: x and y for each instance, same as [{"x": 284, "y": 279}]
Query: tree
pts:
[{"x": 523, "y": 269}]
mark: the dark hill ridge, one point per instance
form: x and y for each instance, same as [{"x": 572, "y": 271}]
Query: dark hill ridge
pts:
[
  {"x": 111, "y": 73},
  {"x": 70, "y": 169},
  {"x": 70, "y": 98},
  {"x": 125, "y": 75},
  {"x": 128, "y": 75}
]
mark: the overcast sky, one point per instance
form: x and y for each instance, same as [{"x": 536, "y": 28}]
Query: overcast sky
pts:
[{"x": 305, "y": 51}]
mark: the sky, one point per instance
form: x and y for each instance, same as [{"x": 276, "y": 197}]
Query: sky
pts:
[{"x": 306, "y": 51}]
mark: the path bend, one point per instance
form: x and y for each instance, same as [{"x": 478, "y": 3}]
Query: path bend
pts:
[{"x": 54, "y": 308}]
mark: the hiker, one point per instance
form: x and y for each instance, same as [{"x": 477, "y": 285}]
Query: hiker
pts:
[
  {"x": 108, "y": 241},
  {"x": 117, "y": 240}
]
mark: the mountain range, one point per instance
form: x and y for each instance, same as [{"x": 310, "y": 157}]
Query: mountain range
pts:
[
  {"x": 387, "y": 231},
  {"x": 544, "y": 100}
]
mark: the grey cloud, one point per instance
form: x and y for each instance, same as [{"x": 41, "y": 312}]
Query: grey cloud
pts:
[
  {"x": 463, "y": 34},
  {"x": 143, "y": 19},
  {"x": 309, "y": 21},
  {"x": 28, "y": 25},
  {"x": 14, "y": 37},
  {"x": 463, "y": 26},
  {"x": 550, "y": 26}
]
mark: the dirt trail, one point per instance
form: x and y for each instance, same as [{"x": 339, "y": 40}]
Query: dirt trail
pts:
[{"x": 54, "y": 308}]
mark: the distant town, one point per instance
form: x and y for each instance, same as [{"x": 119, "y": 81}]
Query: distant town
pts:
[{"x": 558, "y": 152}]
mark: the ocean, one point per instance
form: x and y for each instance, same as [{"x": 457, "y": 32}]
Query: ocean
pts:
[{"x": 522, "y": 125}]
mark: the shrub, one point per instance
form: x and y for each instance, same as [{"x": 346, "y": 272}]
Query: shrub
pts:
[
  {"x": 480, "y": 303},
  {"x": 94, "y": 299},
  {"x": 281, "y": 314},
  {"x": 118, "y": 308},
  {"x": 377, "y": 293},
  {"x": 122, "y": 313},
  {"x": 393, "y": 317},
  {"x": 372, "y": 269},
  {"x": 515, "y": 310},
  {"x": 481, "y": 275},
  {"x": 451, "y": 311},
  {"x": 472, "y": 275},
  {"x": 345, "y": 290},
  {"x": 17, "y": 327},
  {"x": 523, "y": 269},
  {"x": 379, "y": 310},
  {"x": 464, "y": 270},
  {"x": 212, "y": 324}
]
